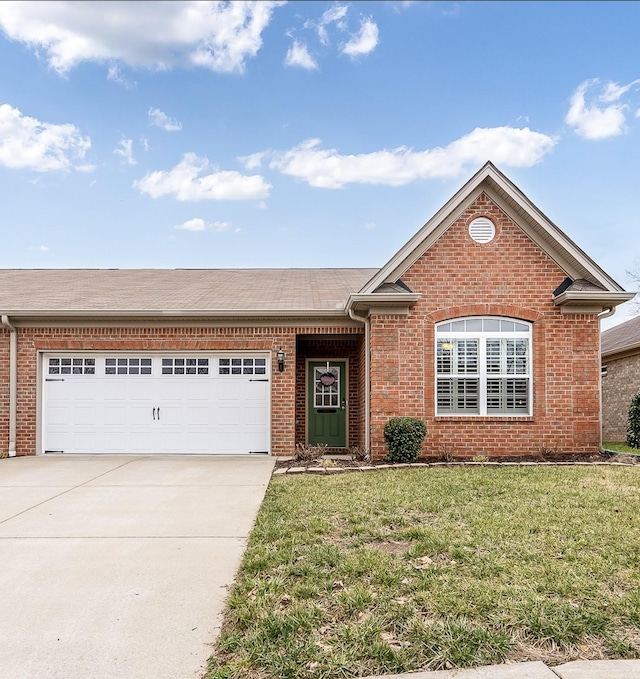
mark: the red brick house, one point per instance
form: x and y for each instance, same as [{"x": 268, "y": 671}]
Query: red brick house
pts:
[
  {"x": 620, "y": 348},
  {"x": 485, "y": 324}
]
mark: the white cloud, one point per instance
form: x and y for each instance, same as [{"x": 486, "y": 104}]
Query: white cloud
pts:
[
  {"x": 253, "y": 161},
  {"x": 125, "y": 151},
  {"x": 161, "y": 119},
  {"x": 613, "y": 91},
  {"x": 298, "y": 55},
  {"x": 220, "y": 36},
  {"x": 334, "y": 15},
  {"x": 327, "y": 168},
  {"x": 594, "y": 121},
  {"x": 115, "y": 74},
  {"x": 363, "y": 43},
  {"x": 145, "y": 143},
  {"x": 43, "y": 248},
  {"x": 28, "y": 143},
  {"x": 197, "y": 224},
  {"x": 188, "y": 181}
]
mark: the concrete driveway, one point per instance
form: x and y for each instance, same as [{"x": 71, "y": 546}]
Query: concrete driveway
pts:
[{"x": 118, "y": 566}]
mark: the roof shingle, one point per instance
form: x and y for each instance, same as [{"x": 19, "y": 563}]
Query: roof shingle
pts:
[
  {"x": 207, "y": 290},
  {"x": 621, "y": 337}
]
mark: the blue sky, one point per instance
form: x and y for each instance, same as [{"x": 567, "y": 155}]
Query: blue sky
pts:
[{"x": 307, "y": 134}]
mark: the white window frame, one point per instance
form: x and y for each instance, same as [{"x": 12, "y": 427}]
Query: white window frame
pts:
[{"x": 483, "y": 375}]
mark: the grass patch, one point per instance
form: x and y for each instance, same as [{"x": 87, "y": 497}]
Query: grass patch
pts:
[
  {"x": 620, "y": 448},
  {"x": 402, "y": 570}
]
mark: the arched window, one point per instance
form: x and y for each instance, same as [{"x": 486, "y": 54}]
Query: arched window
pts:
[{"x": 483, "y": 367}]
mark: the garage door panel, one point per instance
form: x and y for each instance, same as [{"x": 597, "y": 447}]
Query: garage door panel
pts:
[
  {"x": 84, "y": 441},
  {"x": 59, "y": 415},
  {"x": 84, "y": 416},
  {"x": 138, "y": 414},
  {"x": 85, "y": 390},
  {"x": 200, "y": 415},
  {"x": 143, "y": 441},
  {"x": 200, "y": 441},
  {"x": 164, "y": 410},
  {"x": 115, "y": 440},
  {"x": 254, "y": 416},
  {"x": 57, "y": 440},
  {"x": 115, "y": 416},
  {"x": 172, "y": 441}
]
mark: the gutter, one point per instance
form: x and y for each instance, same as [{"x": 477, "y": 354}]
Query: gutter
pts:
[
  {"x": 13, "y": 383},
  {"x": 607, "y": 312},
  {"x": 175, "y": 313},
  {"x": 367, "y": 382}
]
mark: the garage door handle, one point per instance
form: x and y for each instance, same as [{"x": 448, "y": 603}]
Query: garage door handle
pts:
[
  {"x": 154, "y": 413},
  {"x": 260, "y": 380},
  {"x": 158, "y": 413}
]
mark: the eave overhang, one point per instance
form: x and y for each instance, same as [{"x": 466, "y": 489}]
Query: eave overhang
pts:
[
  {"x": 590, "y": 301},
  {"x": 389, "y": 304},
  {"x": 622, "y": 352}
]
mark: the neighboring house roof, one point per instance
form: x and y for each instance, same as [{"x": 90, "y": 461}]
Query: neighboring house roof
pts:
[
  {"x": 603, "y": 292},
  {"x": 182, "y": 291},
  {"x": 622, "y": 338}
]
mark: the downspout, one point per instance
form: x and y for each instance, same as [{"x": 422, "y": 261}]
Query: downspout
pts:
[
  {"x": 367, "y": 381},
  {"x": 604, "y": 314},
  {"x": 13, "y": 383}
]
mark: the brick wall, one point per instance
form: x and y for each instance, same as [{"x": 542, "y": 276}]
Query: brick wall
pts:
[
  {"x": 510, "y": 276},
  {"x": 32, "y": 340},
  {"x": 619, "y": 386}
]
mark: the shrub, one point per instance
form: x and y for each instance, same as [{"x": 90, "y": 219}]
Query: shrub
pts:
[
  {"x": 359, "y": 454},
  {"x": 404, "y": 437},
  {"x": 633, "y": 423},
  {"x": 309, "y": 453}
]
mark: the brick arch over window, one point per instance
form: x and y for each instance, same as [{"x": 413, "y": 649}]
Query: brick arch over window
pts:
[{"x": 504, "y": 310}]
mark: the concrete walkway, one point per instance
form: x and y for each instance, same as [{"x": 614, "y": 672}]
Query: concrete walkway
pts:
[
  {"x": 579, "y": 669},
  {"x": 117, "y": 567}
]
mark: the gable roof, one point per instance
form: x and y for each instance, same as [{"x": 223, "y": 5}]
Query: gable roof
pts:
[
  {"x": 621, "y": 338},
  {"x": 183, "y": 292},
  {"x": 589, "y": 288},
  {"x": 551, "y": 240}
]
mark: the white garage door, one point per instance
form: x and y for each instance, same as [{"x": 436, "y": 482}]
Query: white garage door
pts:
[{"x": 126, "y": 403}]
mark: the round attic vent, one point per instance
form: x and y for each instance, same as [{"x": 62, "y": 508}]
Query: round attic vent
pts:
[{"x": 482, "y": 230}]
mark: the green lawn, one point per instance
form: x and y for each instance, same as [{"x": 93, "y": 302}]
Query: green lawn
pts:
[
  {"x": 620, "y": 448},
  {"x": 400, "y": 570}
]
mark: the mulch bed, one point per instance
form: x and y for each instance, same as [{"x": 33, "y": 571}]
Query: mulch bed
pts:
[{"x": 334, "y": 463}]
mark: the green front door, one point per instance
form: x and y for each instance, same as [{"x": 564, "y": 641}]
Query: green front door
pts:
[{"x": 327, "y": 403}]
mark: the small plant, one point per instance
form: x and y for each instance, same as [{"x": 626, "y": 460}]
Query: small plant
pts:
[
  {"x": 446, "y": 454},
  {"x": 546, "y": 452},
  {"x": 404, "y": 437},
  {"x": 359, "y": 454},
  {"x": 480, "y": 458},
  {"x": 328, "y": 463},
  {"x": 306, "y": 452},
  {"x": 633, "y": 423}
]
